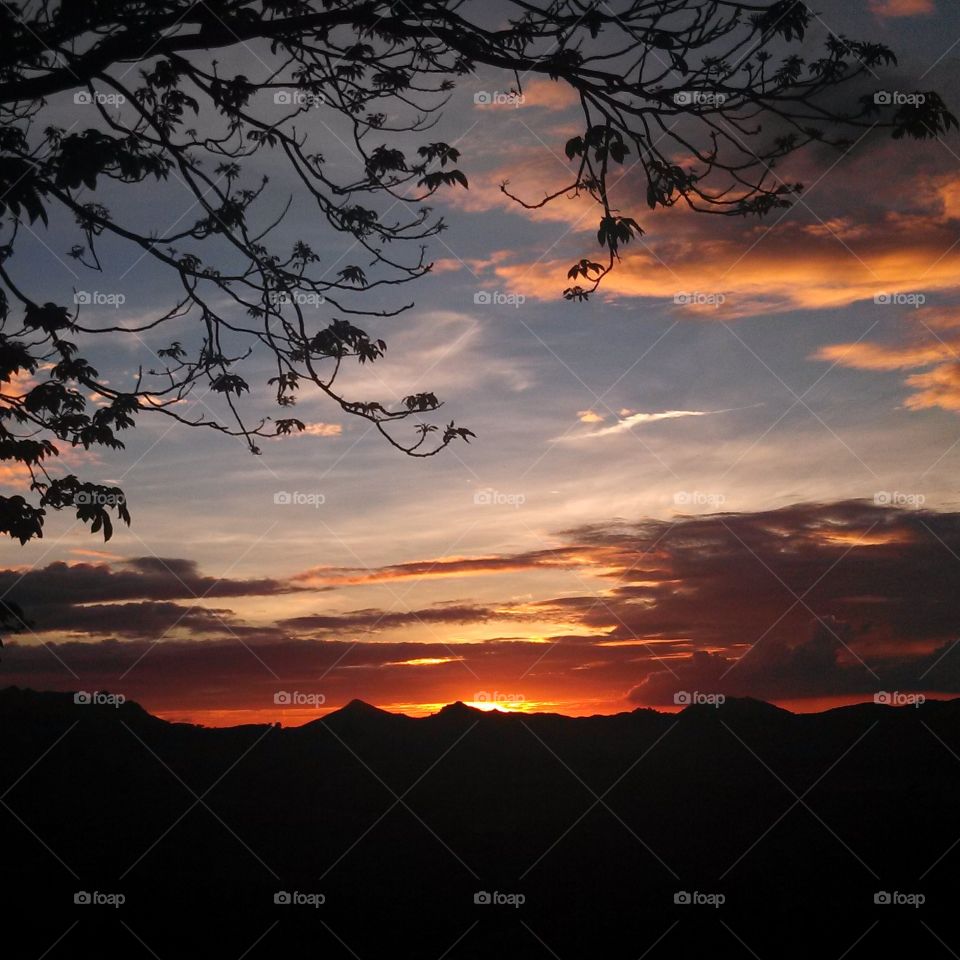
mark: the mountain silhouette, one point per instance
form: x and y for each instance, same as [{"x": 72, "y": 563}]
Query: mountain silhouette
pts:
[{"x": 471, "y": 832}]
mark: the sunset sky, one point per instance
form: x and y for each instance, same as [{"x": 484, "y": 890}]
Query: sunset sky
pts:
[{"x": 754, "y": 493}]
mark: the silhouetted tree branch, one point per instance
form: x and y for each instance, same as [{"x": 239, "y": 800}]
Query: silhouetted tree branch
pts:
[{"x": 656, "y": 79}]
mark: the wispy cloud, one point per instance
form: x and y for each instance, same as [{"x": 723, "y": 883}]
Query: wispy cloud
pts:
[{"x": 631, "y": 420}]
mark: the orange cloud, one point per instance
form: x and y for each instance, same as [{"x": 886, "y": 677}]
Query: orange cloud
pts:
[
  {"x": 589, "y": 416},
  {"x": 560, "y": 557},
  {"x": 549, "y": 94},
  {"x": 539, "y": 92},
  {"x": 939, "y": 387},
  {"x": 323, "y": 430},
  {"x": 877, "y": 356},
  {"x": 763, "y": 272},
  {"x": 846, "y": 239},
  {"x": 901, "y": 8},
  {"x": 936, "y": 387},
  {"x": 13, "y": 475}
]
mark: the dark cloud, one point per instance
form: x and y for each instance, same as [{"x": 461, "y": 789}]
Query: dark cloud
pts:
[
  {"x": 808, "y": 601},
  {"x": 442, "y": 567},
  {"x": 727, "y": 580},
  {"x": 387, "y": 619},
  {"x": 149, "y": 618},
  {"x": 140, "y": 578}
]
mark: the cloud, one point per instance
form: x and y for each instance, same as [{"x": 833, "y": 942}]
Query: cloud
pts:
[
  {"x": 888, "y": 9},
  {"x": 318, "y": 430},
  {"x": 881, "y": 218},
  {"x": 634, "y": 420},
  {"x": 539, "y": 92},
  {"x": 926, "y": 346},
  {"x": 140, "y": 578},
  {"x": 375, "y": 619},
  {"x": 561, "y": 557},
  {"x": 724, "y": 582},
  {"x": 444, "y": 351},
  {"x": 149, "y": 619},
  {"x": 807, "y": 601},
  {"x": 763, "y": 272}
]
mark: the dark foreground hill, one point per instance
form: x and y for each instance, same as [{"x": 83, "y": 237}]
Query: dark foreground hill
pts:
[{"x": 741, "y": 830}]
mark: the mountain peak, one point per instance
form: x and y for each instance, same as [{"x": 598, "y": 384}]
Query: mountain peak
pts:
[
  {"x": 457, "y": 709},
  {"x": 747, "y": 707},
  {"x": 360, "y": 708}
]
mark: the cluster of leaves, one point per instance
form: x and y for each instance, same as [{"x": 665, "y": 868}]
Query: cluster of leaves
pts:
[{"x": 695, "y": 106}]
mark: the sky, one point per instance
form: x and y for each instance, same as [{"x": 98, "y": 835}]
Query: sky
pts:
[{"x": 732, "y": 471}]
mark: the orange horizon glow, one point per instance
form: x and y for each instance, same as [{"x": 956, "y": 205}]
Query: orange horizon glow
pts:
[{"x": 296, "y": 717}]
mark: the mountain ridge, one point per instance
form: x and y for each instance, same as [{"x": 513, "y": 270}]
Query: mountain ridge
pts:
[{"x": 361, "y": 710}]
